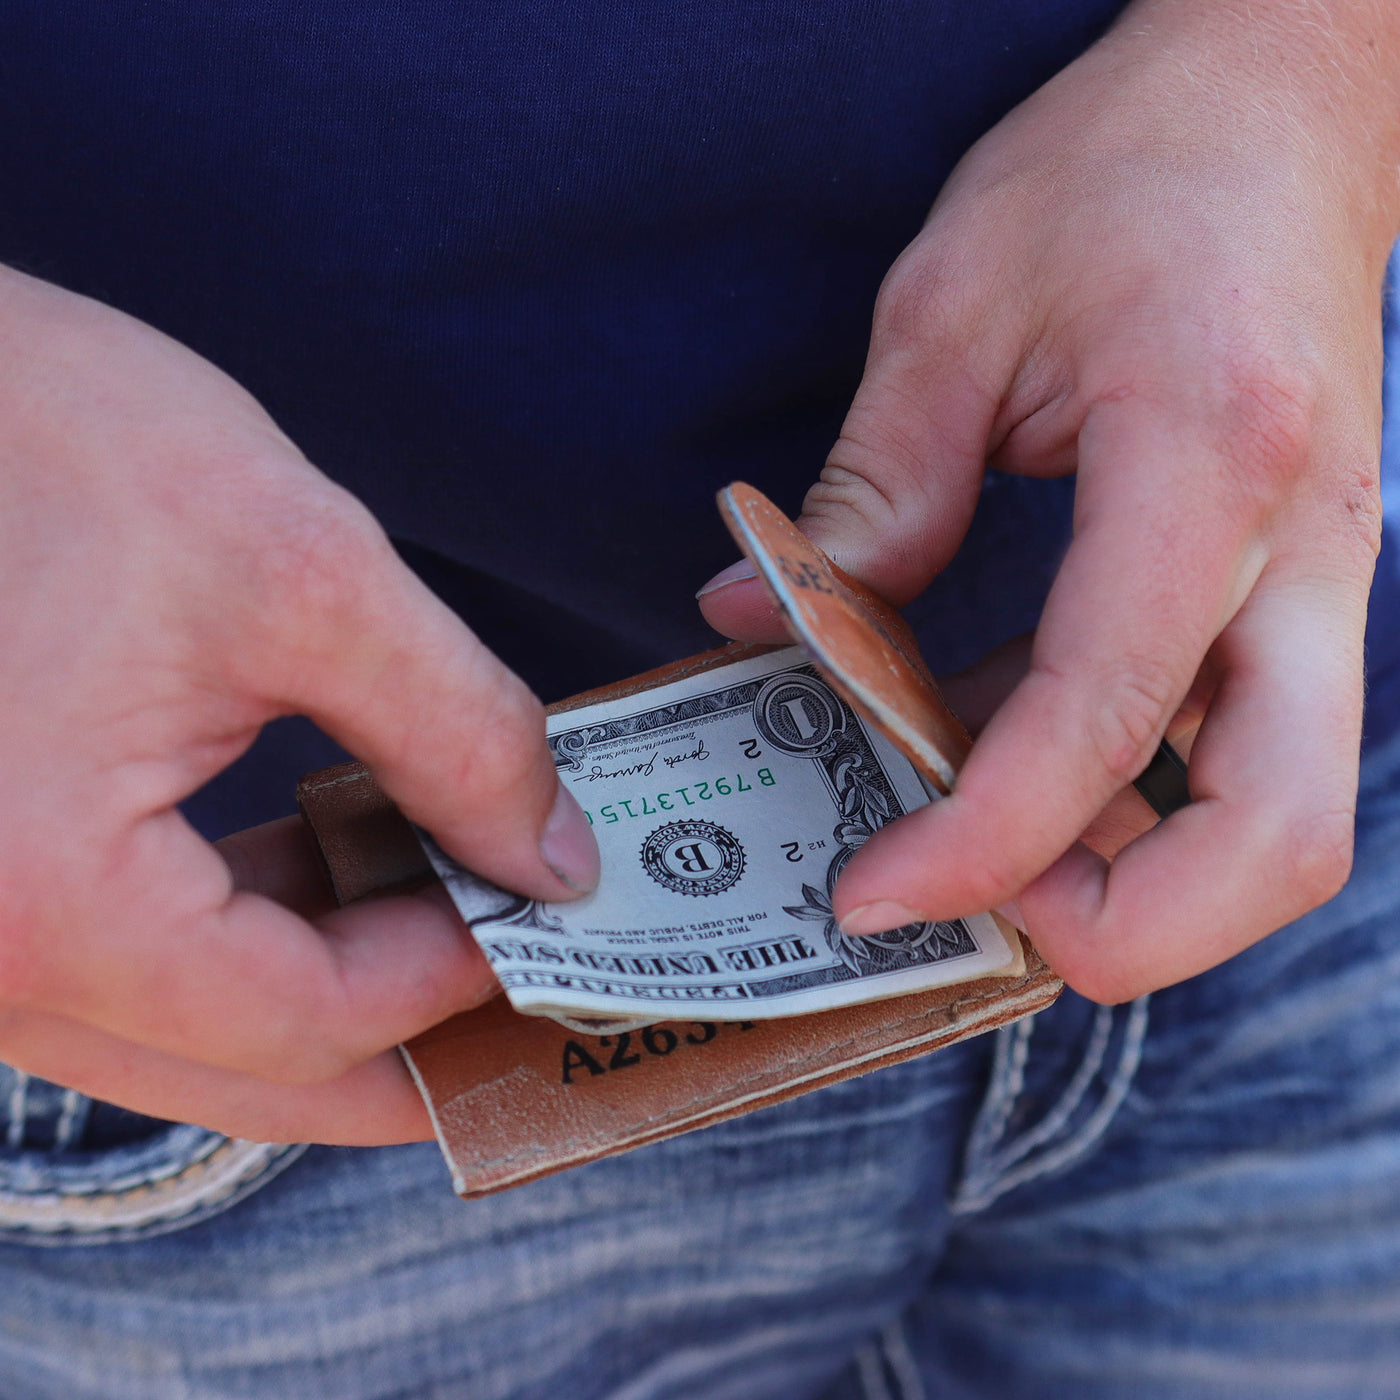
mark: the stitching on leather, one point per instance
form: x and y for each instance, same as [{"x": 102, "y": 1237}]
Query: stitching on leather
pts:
[
  {"x": 362, "y": 776},
  {"x": 952, "y": 1012}
]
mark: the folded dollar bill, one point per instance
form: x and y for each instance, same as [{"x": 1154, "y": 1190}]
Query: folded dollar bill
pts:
[{"x": 725, "y": 806}]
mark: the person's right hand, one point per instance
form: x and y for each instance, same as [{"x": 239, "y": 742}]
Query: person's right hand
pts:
[{"x": 173, "y": 574}]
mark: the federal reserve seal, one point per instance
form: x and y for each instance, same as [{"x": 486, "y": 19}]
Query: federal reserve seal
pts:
[{"x": 693, "y": 858}]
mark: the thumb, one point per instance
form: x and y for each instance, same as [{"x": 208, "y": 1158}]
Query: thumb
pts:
[
  {"x": 452, "y": 735},
  {"x": 898, "y": 490},
  {"x": 897, "y": 493}
]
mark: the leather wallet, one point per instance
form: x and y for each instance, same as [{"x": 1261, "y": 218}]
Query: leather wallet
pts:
[{"x": 516, "y": 1097}]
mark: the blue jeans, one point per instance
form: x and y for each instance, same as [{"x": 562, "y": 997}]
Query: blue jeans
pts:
[{"x": 1196, "y": 1195}]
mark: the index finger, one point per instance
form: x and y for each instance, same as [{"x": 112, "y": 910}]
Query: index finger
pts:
[
  {"x": 1166, "y": 549},
  {"x": 168, "y": 952}
]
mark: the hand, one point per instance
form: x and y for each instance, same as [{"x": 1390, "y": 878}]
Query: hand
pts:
[
  {"x": 1163, "y": 271},
  {"x": 173, "y": 574}
]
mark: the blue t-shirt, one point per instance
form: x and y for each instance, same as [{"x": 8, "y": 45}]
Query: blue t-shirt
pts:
[{"x": 534, "y": 279}]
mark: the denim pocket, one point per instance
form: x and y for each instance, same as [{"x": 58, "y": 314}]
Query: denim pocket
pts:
[{"x": 76, "y": 1172}]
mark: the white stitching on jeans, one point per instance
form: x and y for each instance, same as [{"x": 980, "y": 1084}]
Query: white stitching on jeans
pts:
[
  {"x": 872, "y": 1373},
  {"x": 1070, "y": 1100},
  {"x": 211, "y": 1181},
  {"x": 72, "y": 1119},
  {"x": 901, "y": 1361},
  {"x": 18, "y": 1111},
  {"x": 980, "y": 1191},
  {"x": 1007, "y": 1078}
]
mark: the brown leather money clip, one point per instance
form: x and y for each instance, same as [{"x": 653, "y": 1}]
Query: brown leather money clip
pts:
[{"x": 516, "y": 1097}]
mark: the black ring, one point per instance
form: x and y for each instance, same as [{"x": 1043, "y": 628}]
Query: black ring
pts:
[{"x": 1163, "y": 781}]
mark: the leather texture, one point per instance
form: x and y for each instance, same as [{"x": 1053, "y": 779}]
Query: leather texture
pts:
[
  {"x": 857, "y": 640},
  {"x": 517, "y": 1097}
]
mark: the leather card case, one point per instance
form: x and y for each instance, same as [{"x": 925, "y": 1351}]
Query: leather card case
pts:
[{"x": 516, "y": 1097}]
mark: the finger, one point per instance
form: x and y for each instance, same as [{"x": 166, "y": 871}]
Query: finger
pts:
[
  {"x": 1124, "y": 818},
  {"x": 180, "y": 961},
  {"x": 737, "y": 605},
  {"x": 898, "y": 490},
  {"x": 1268, "y": 835},
  {"x": 373, "y": 1104},
  {"x": 975, "y": 694},
  {"x": 1159, "y": 564},
  {"x": 900, "y": 485},
  {"x": 452, "y": 735}
]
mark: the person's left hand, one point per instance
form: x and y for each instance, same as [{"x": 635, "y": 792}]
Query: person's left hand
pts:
[{"x": 1163, "y": 271}]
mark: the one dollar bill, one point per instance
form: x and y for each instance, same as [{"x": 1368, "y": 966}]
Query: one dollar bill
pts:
[{"x": 725, "y": 806}]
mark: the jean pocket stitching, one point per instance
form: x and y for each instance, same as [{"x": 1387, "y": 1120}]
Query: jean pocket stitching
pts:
[
  {"x": 992, "y": 1167},
  {"x": 885, "y": 1368},
  {"x": 1004, "y": 1087},
  {"x": 48, "y": 1205}
]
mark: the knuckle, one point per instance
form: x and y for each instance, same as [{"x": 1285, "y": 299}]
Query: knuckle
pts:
[
  {"x": 843, "y": 491},
  {"x": 917, "y": 296},
  {"x": 290, "y": 531},
  {"x": 508, "y": 725},
  {"x": 319, "y": 553},
  {"x": 1126, "y": 726},
  {"x": 1268, "y": 408},
  {"x": 319, "y": 570},
  {"x": 1315, "y": 857},
  {"x": 923, "y": 297}
]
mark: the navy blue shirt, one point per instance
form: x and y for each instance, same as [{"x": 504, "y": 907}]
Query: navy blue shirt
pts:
[{"x": 533, "y": 279}]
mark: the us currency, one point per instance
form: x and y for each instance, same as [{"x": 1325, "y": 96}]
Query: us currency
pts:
[{"x": 726, "y": 806}]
